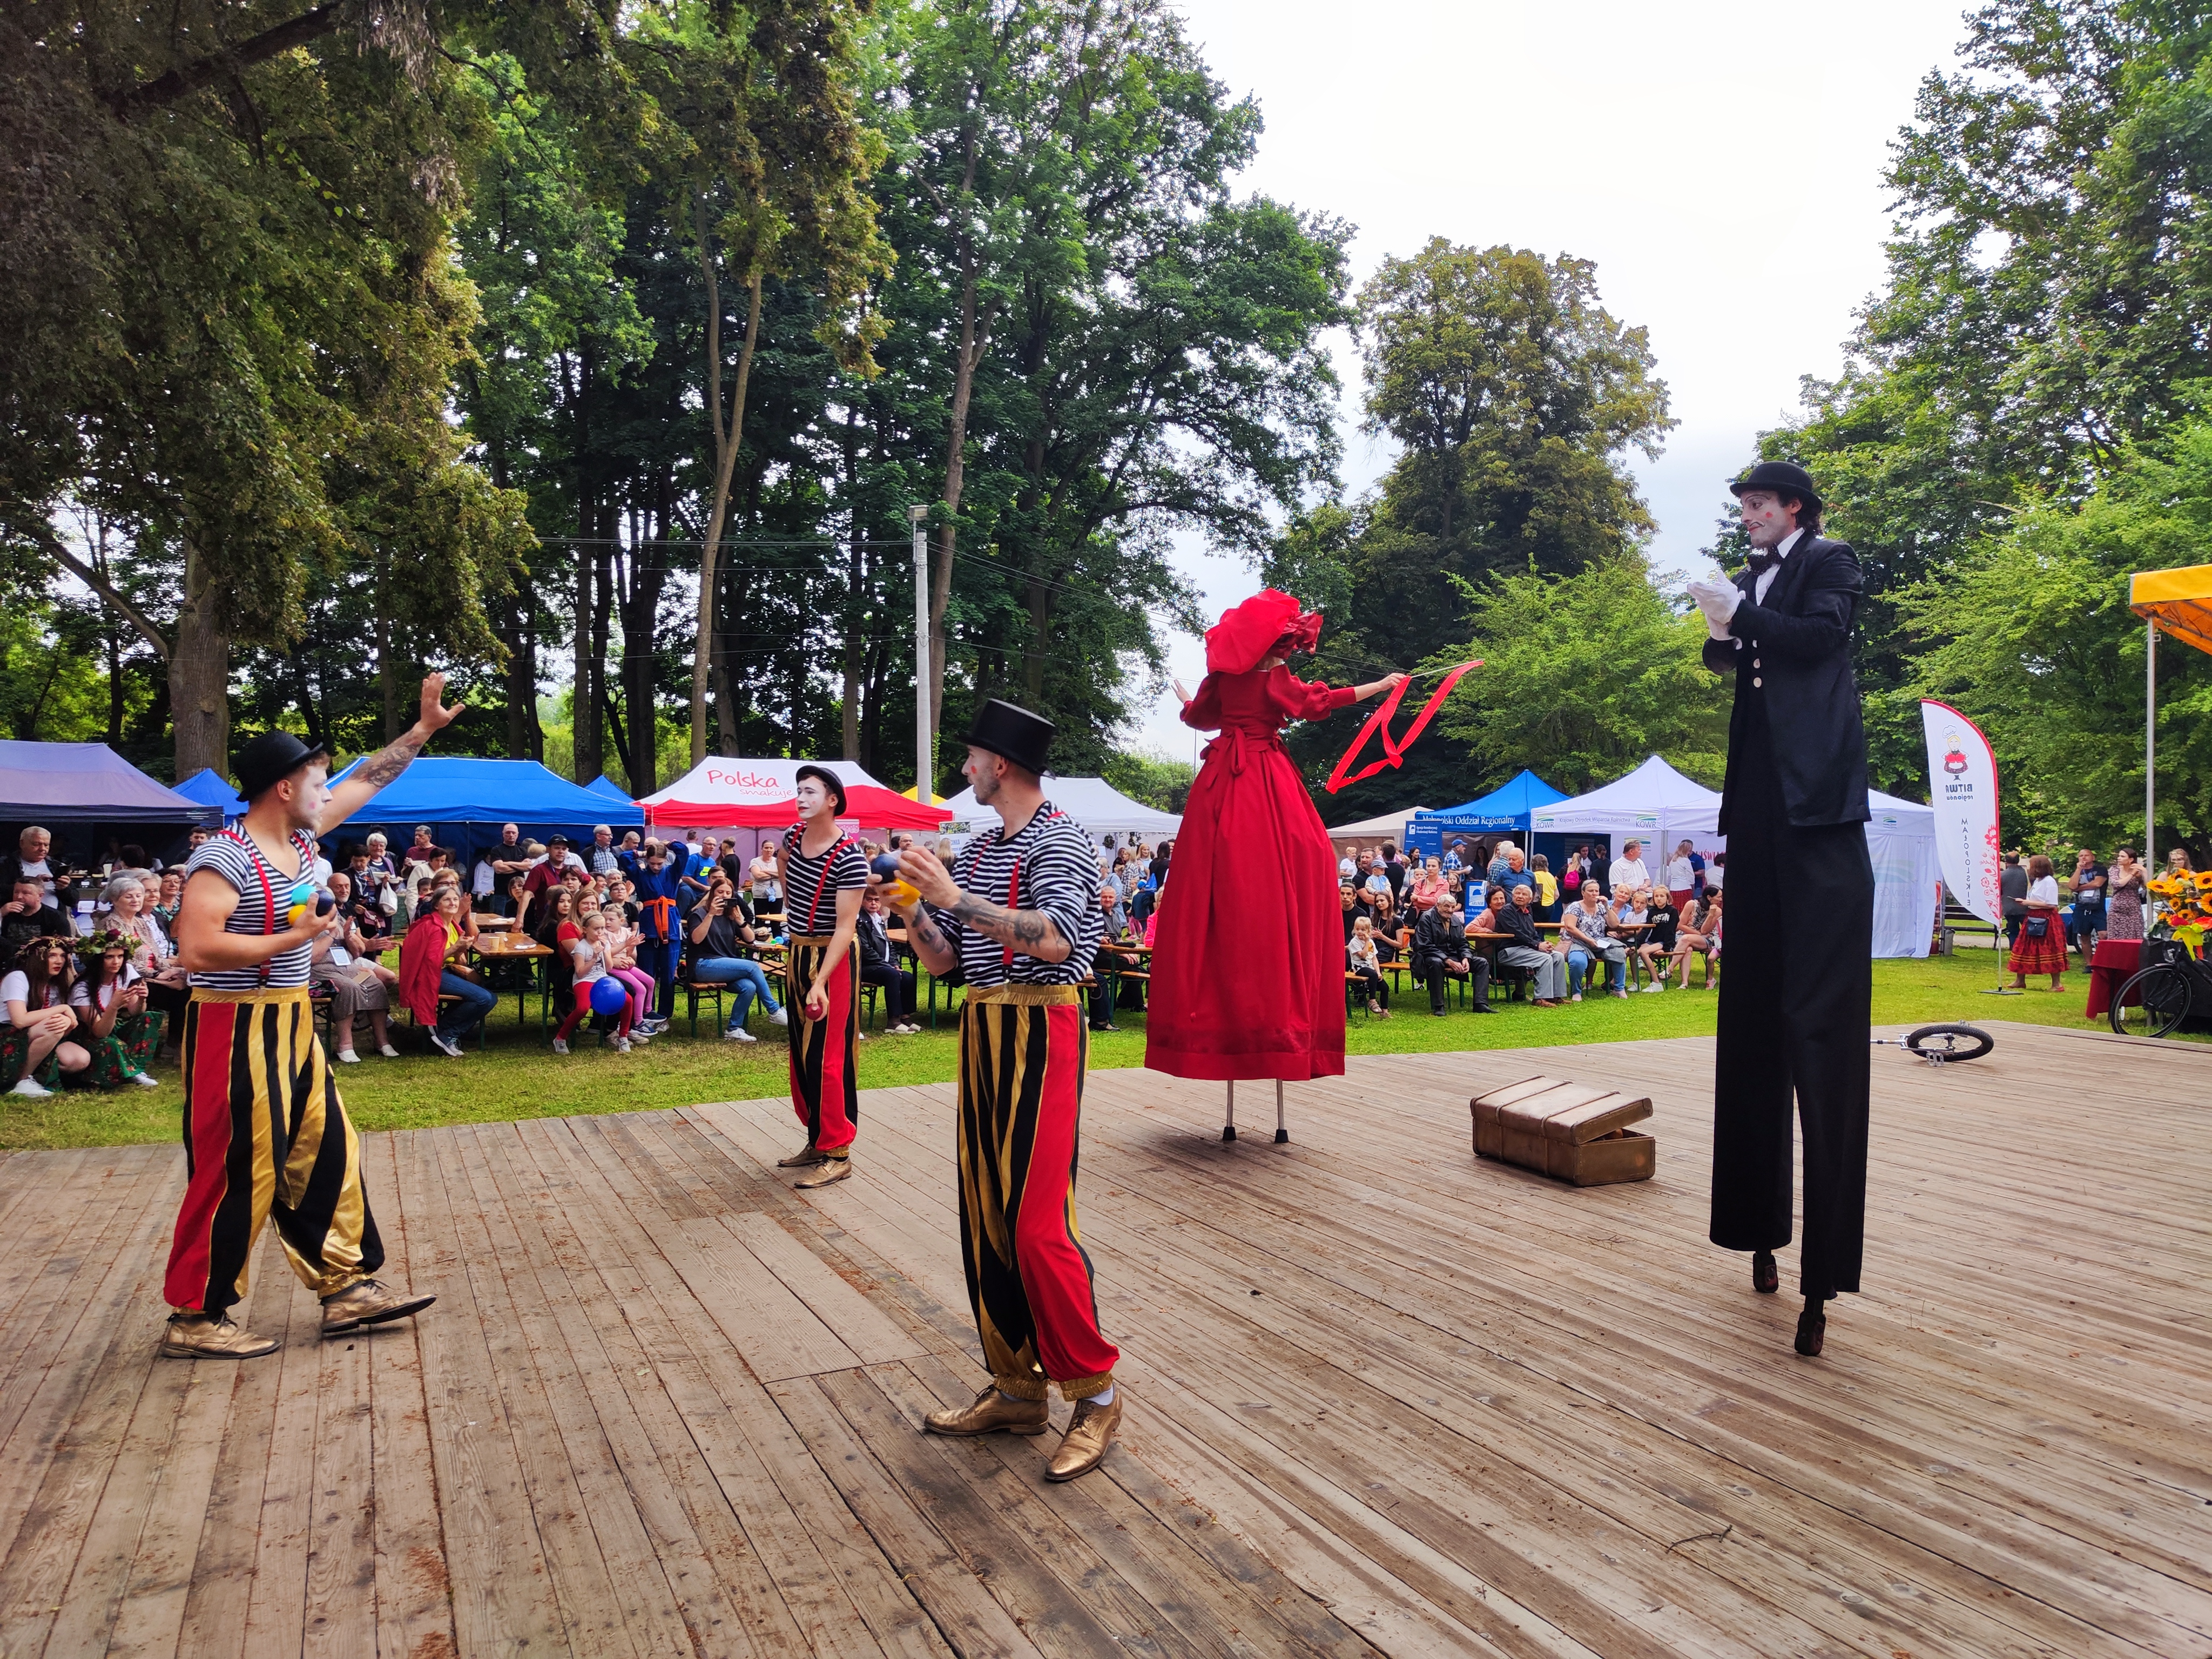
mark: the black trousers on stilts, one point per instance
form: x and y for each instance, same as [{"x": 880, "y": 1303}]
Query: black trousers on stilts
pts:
[{"x": 1795, "y": 1002}]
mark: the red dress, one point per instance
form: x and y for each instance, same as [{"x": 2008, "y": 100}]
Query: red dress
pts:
[{"x": 1247, "y": 963}]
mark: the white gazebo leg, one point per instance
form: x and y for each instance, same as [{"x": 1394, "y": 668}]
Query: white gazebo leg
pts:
[
  {"x": 1229, "y": 1130},
  {"x": 1282, "y": 1135}
]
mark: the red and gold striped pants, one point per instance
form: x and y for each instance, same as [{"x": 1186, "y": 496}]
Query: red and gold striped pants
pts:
[
  {"x": 825, "y": 1084},
  {"x": 1022, "y": 1053},
  {"x": 265, "y": 1138}
]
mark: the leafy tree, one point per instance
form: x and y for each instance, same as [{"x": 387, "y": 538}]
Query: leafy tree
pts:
[{"x": 2029, "y": 633}]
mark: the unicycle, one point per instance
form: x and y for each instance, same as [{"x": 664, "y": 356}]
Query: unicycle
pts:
[{"x": 1942, "y": 1045}]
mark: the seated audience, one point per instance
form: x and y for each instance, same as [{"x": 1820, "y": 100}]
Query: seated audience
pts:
[
  {"x": 723, "y": 932},
  {"x": 433, "y": 963},
  {"x": 1546, "y": 967},
  {"x": 35, "y": 1049},
  {"x": 587, "y": 955},
  {"x": 357, "y": 982},
  {"x": 118, "y": 1035},
  {"x": 1441, "y": 952},
  {"x": 1362, "y": 958},
  {"x": 879, "y": 966},
  {"x": 1693, "y": 939},
  {"x": 29, "y": 914},
  {"x": 31, "y": 858},
  {"x": 1656, "y": 948},
  {"x": 1587, "y": 932}
]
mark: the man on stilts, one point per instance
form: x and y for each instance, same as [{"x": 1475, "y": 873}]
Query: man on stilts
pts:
[
  {"x": 1797, "y": 988},
  {"x": 267, "y": 1136},
  {"x": 824, "y": 876},
  {"x": 1017, "y": 915}
]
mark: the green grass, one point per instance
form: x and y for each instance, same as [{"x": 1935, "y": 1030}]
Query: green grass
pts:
[{"x": 517, "y": 1076}]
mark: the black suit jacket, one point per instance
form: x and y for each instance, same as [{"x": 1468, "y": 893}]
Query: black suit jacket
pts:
[{"x": 1802, "y": 640}]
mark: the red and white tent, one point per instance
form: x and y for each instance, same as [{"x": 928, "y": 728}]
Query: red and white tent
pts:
[{"x": 721, "y": 793}]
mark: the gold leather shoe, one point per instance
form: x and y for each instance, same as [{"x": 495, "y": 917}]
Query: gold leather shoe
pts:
[
  {"x": 368, "y": 1301},
  {"x": 1083, "y": 1448},
  {"x": 196, "y": 1336},
  {"x": 832, "y": 1170},
  {"x": 991, "y": 1411},
  {"x": 806, "y": 1159}
]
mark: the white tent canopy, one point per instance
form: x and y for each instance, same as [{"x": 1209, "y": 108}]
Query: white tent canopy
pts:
[
  {"x": 1389, "y": 824},
  {"x": 1655, "y": 803},
  {"x": 1094, "y": 804}
]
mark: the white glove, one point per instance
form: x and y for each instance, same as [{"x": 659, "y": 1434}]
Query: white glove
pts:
[{"x": 1718, "y": 600}]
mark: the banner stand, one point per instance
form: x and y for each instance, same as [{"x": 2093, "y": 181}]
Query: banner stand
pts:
[{"x": 1962, "y": 779}]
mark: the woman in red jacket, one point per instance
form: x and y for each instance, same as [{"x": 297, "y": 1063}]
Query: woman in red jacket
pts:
[
  {"x": 435, "y": 941},
  {"x": 1248, "y": 969}
]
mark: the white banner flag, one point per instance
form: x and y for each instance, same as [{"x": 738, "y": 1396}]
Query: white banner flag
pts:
[{"x": 1962, "y": 788}]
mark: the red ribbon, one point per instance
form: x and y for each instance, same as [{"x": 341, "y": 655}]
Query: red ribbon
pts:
[{"x": 1393, "y": 751}]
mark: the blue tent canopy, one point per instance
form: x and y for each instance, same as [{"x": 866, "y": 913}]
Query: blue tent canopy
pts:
[
  {"x": 466, "y": 799},
  {"x": 210, "y": 789},
  {"x": 1506, "y": 807},
  {"x": 604, "y": 784}
]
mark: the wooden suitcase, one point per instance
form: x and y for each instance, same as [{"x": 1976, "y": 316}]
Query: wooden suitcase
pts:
[{"x": 1568, "y": 1130}]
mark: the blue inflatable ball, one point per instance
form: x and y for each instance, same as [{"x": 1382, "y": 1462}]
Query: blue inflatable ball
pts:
[{"x": 609, "y": 996}]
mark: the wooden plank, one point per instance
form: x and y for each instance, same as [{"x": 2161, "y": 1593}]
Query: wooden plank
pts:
[
  {"x": 414, "y": 1590},
  {"x": 220, "y": 1587},
  {"x": 824, "y": 1560},
  {"x": 848, "y": 1314},
  {"x": 503, "y": 1598},
  {"x": 964, "y": 1610},
  {"x": 277, "y": 1609},
  {"x": 778, "y": 1334}
]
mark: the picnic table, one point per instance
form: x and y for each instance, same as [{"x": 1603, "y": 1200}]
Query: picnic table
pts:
[{"x": 521, "y": 948}]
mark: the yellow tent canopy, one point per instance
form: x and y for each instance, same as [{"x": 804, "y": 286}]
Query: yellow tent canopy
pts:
[
  {"x": 2176, "y": 602},
  {"x": 2179, "y": 603},
  {"x": 935, "y": 799}
]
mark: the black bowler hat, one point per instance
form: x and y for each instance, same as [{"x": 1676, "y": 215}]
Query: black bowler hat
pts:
[
  {"x": 1015, "y": 733},
  {"x": 271, "y": 758},
  {"x": 1783, "y": 478},
  {"x": 828, "y": 780}
]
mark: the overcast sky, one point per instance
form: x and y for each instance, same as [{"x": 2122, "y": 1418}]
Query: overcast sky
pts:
[{"x": 1721, "y": 163}]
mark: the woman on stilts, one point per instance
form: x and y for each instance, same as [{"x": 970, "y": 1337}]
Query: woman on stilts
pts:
[
  {"x": 1255, "y": 880},
  {"x": 824, "y": 876}
]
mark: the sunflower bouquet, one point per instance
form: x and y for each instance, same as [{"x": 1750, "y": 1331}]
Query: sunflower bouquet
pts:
[{"x": 2185, "y": 905}]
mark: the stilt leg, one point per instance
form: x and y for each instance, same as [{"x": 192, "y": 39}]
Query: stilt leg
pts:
[
  {"x": 1229, "y": 1130},
  {"x": 1282, "y": 1135}
]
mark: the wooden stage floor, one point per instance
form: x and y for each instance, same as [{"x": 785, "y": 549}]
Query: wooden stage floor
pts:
[{"x": 1381, "y": 1398}]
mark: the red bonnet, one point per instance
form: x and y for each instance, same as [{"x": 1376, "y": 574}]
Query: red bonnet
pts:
[{"x": 1271, "y": 621}]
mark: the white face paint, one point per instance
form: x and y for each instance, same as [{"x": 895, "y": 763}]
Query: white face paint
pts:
[
  {"x": 310, "y": 796},
  {"x": 1765, "y": 519},
  {"x": 813, "y": 798}
]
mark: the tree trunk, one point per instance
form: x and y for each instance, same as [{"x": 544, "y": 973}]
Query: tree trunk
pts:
[
  {"x": 726, "y": 710},
  {"x": 584, "y": 691},
  {"x": 1034, "y": 659},
  {"x": 728, "y": 435},
  {"x": 521, "y": 670},
  {"x": 603, "y": 581},
  {"x": 855, "y": 571},
  {"x": 199, "y": 675},
  {"x": 648, "y": 578}
]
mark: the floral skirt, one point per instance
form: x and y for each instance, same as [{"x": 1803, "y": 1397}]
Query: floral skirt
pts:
[
  {"x": 116, "y": 1058},
  {"x": 2046, "y": 955}
]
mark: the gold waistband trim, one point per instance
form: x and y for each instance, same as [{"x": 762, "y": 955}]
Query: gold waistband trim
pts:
[
  {"x": 293, "y": 993},
  {"x": 812, "y": 938},
  {"x": 1027, "y": 996}
]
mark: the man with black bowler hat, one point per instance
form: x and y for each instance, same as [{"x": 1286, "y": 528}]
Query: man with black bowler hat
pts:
[
  {"x": 1797, "y": 998},
  {"x": 1018, "y": 914}
]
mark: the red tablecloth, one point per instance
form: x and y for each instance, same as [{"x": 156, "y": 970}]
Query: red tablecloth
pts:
[{"x": 2109, "y": 969}]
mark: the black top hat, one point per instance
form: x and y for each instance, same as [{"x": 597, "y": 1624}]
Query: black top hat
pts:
[
  {"x": 827, "y": 779},
  {"x": 270, "y": 759},
  {"x": 1016, "y": 733},
  {"x": 1783, "y": 478}
]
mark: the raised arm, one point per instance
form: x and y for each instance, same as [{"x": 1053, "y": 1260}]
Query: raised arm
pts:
[{"x": 359, "y": 786}]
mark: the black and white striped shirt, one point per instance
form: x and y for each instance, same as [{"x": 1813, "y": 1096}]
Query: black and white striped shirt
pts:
[
  {"x": 1050, "y": 867},
  {"x": 240, "y": 860},
  {"x": 803, "y": 879}
]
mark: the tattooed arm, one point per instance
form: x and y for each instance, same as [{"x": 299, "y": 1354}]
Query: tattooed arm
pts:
[
  {"x": 362, "y": 784},
  {"x": 1032, "y": 933}
]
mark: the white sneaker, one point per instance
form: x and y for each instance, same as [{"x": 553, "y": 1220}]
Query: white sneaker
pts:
[
  {"x": 146, "y": 1080},
  {"x": 32, "y": 1086},
  {"x": 1654, "y": 986},
  {"x": 622, "y": 1045},
  {"x": 387, "y": 1051},
  {"x": 737, "y": 1033},
  {"x": 637, "y": 1035},
  {"x": 560, "y": 1045},
  {"x": 347, "y": 1057},
  {"x": 779, "y": 1016},
  {"x": 445, "y": 1045}
]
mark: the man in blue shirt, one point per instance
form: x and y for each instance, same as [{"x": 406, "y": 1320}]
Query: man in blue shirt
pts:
[{"x": 660, "y": 917}]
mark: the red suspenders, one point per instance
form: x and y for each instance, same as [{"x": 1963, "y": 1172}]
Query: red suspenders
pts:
[
  {"x": 1013, "y": 901},
  {"x": 268, "y": 893},
  {"x": 829, "y": 860}
]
